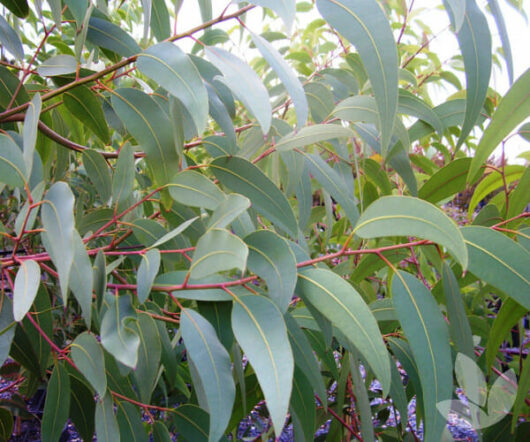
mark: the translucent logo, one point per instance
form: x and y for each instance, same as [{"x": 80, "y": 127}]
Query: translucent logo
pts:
[{"x": 481, "y": 409}]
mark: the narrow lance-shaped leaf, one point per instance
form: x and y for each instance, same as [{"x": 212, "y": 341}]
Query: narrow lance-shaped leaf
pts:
[
  {"x": 160, "y": 20},
  {"x": 107, "y": 35},
  {"x": 82, "y": 278},
  {"x": 259, "y": 328},
  {"x": 474, "y": 39},
  {"x": 458, "y": 10},
  {"x": 286, "y": 9},
  {"x": 503, "y": 34},
  {"x": 409, "y": 216},
  {"x": 195, "y": 189},
  {"x": 499, "y": 261},
  {"x": 58, "y": 220},
  {"x": 56, "y": 405},
  {"x": 130, "y": 423},
  {"x": 213, "y": 366},
  {"x": 339, "y": 302},
  {"x": 89, "y": 359},
  {"x": 244, "y": 83},
  {"x": 18, "y": 7},
  {"x": 311, "y": 135},
  {"x": 175, "y": 232},
  {"x": 426, "y": 331},
  {"x": 26, "y": 285},
  {"x": 174, "y": 71},
  {"x": 31, "y": 123},
  {"x": 513, "y": 108},
  {"x": 228, "y": 210},
  {"x": 123, "y": 179},
  {"x": 366, "y": 26},
  {"x": 107, "y": 429},
  {"x": 147, "y": 272},
  {"x": 99, "y": 173},
  {"x": 446, "y": 181},
  {"x": 12, "y": 166},
  {"x": 286, "y": 76},
  {"x": 218, "y": 250},
  {"x": 7, "y": 328},
  {"x": 10, "y": 39},
  {"x": 57, "y": 65}
]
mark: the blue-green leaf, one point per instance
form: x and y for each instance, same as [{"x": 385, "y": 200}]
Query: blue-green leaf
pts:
[
  {"x": 98, "y": 171},
  {"x": 89, "y": 359},
  {"x": 366, "y": 26},
  {"x": 286, "y": 9},
  {"x": 57, "y": 65},
  {"x": 56, "y": 405},
  {"x": 228, "y": 210},
  {"x": 311, "y": 135},
  {"x": 195, "y": 189},
  {"x": 147, "y": 272},
  {"x": 12, "y": 166},
  {"x": 26, "y": 285},
  {"x": 458, "y": 10},
  {"x": 10, "y": 39},
  {"x": 107, "y": 429},
  {"x": 503, "y": 34},
  {"x": 110, "y": 36},
  {"x": 82, "y": 278}
]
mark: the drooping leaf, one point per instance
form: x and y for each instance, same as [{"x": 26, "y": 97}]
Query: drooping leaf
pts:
[
  {"x": 58, "y": 220},
  {"x": 409, "y": 216},
  {"x": 286, "y": 9},
  {"x": 89, "y": 359},
  {"x": 446, "y": 182},
  {"x": 160, "y": 432},
  {"x": 214, "y": 369},
  {"x": 259, "y": 328},
  {"x": 340, "y": 303},
  {"x": 81, "y": 278},
  {"x": 503, "y": 34},
  {"x": 130, "y": 423},
  {"x": 170, "y": 67},
  {"x": 109, "y": 36},
  {"x": 7, "y": 327},
  {"x": 499, "y": 261},
  {"x": 123, "y": 179},
  {"x": 303, "y": 407},
  {"x": 365, "y": 25},
  {"x": 18, "y": 7},
  {"x": 426, "y": 331},
  {"x": 312, "y": 135},
  {"x": 160, "y": 20},
  {"x": 244, "y": 83},
  {"x": 107, "y": 429},
  {"x": 218, "y": 250},
  {"x": 56, "y": 404},
  {"x": 12, "y": 166},
  {"x": 410, "y": 104},
  {"x": 243, "y": 177},
  {"x": 56, "y": 9},
  {"x": 174, "y": 233},
  {"x": 458, "y": 10},
  {"x": 150, "y": 126},
  {"x": 513, "y": 108},
  {"x": 83, "y": 105},
  {"x": 195, "y": 189},
  {"x": 192, "y": 422},
  {"x": 509, "y": 314},
  {"x": 99, "y": 173},
  {"x": 147, "y": 272},
  {"x": 149, "y": 353},
  {"x": 362, "y": 402},
  {"x": 82, "y": 407},
  {"x": 286, "y": 76},
  {"x": 10, "y": 39},
  {"x": 26, "y": 285},
  {"x": 474, "y": 39},
  {"x": 271, "y": 258},
  {"x": 117, "y": 337},
  {"x": 57, "y": 65},
  {"x": 31, "y": 122}
]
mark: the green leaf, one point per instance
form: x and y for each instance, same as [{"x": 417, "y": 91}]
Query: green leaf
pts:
[
  {"x": 57, "y": 65},
  {"x": 522, "y": 393},
  {"x": 271, "y": 258},
  {"x": 312, "y": 135},
  {"x": 474, "y": 39},
  {"x": 7, "y": 328},
  {"x": 339, "y": 302},
  {"x": 123, "y": 180},
  {"x": 410, "y": 104},
  {"x": 509, "y": 314},
  {"x": 172, "y": 69},
  {"x": 150, "y": 126},
  {"x": 259, "y": 328},
  {"x": 174, "y": 233},
  {"x": 499, "y": 261},
  {"x": 82, "y": 407},
  {"x": 458, "y": 10},
  {"x": 160, "y": 20},
  {"x": 81, "y": 278},
  {"x": 130, "y": 423},
  {"x": 109, "y": 36},
  {"x": 26, "y": 285},
  {"x": 513, "y": 108},
  {"x": 107, "y": 429},
  {"x": 459, "y": 327},
  {"x": 83, "y": 104},
  {"x": 216, "y": 251},
  {"x": 493, "y": 181},
  {"x": 18, "y": 7},
  {"x": 117, "y": 337},
  {"x": 366, "y": 26},
  {"x": 244, "y": 83},
  {"x": 286, "y": 9},
  {"x": 304, "y": 357},
  {"x": 228, "y": 210},
  {"x": 503, "y": 34},
  {"x": 332, "y": 183},
  {"x": 160, "y": 431},
  {"x": 286, "y": 75},
  {"x": 78, "y": 8},
  {"x": 31, "y": 122},
  {"x": 246, "y": 179},
  {"x": 12, "y": 166},
  {"x": 362, "y": 402},
  {"x": 10, "y": 39},
  {"x": 58, "y": 220},
  {"x": 56, "y": 9},
  {"x": 426, "y": 331},
  {"x": 409, "y": 216},
  {"x": 98, "y": 171},
  {"x": 447, "y": 181},
  {"x": 147, "y": 272},
  {"x": 88, "y": 356},
  {"x": 195, "y": 189},
  {"x": 214, "y": 369},
  {"x": 56, "y": 405},
  {"x": 149, "y": 354},
  {"x": 192, "y": 422},
  {"x": 303, "y": 407}
]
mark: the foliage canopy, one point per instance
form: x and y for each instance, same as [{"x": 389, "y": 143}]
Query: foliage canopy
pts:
[{"x": 187, "y": 236}]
